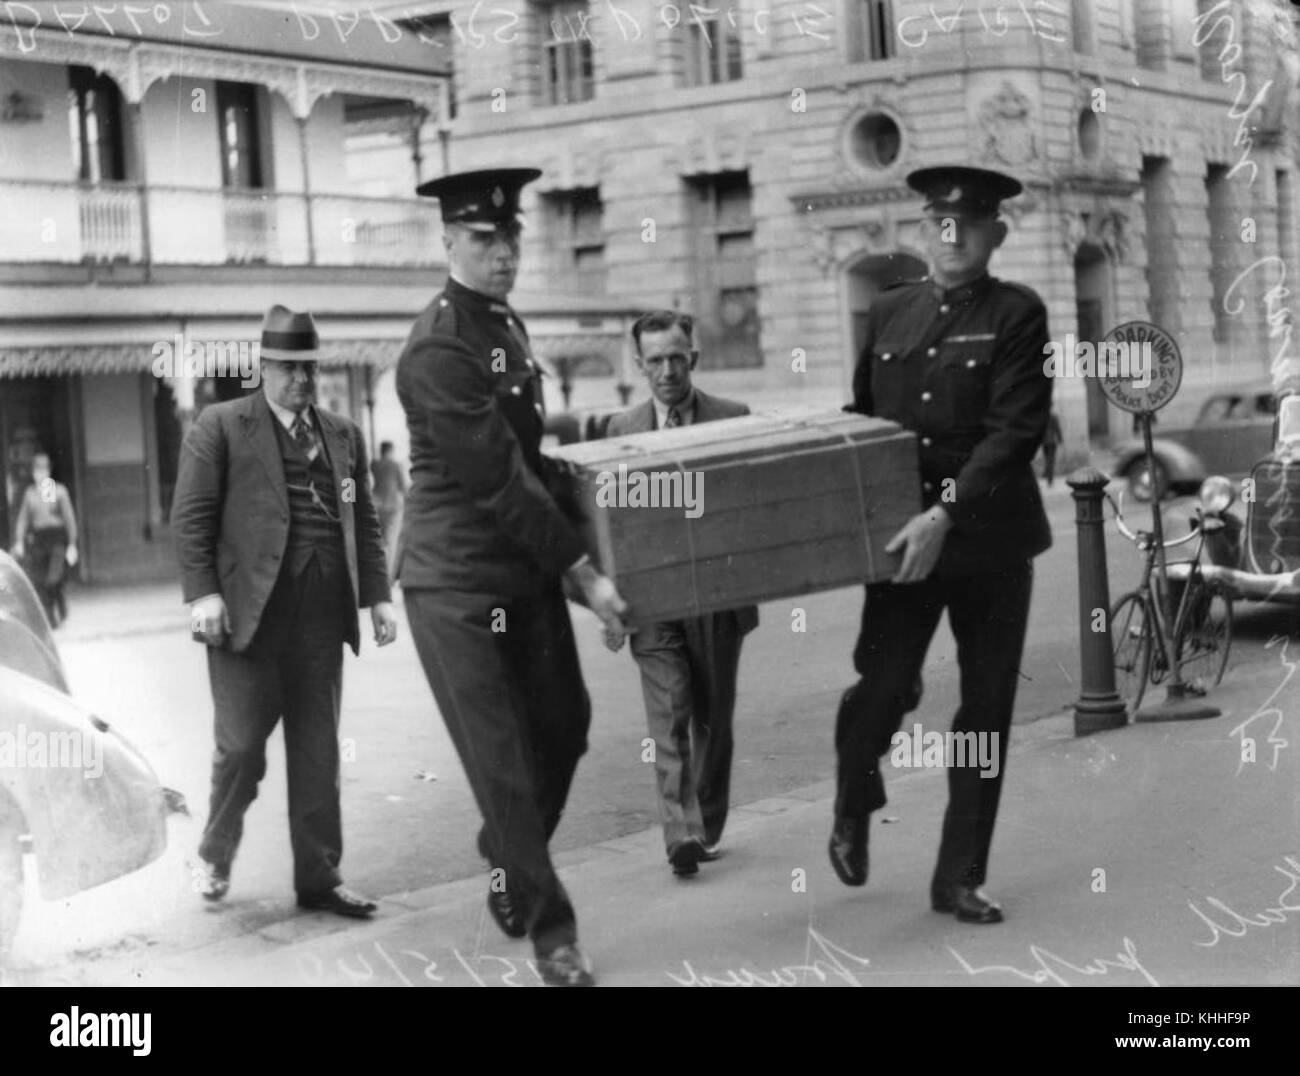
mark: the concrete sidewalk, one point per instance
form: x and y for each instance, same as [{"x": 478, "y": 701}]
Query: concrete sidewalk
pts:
[{"x": 1148, "y": 855}]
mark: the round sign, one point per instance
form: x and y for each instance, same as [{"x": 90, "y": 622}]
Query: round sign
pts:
[{"x": 1139, "y": 366}]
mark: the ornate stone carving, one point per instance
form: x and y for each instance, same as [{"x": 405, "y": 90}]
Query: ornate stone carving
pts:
[
  {"x": 1007, "y": 120},
  {"x": 1107, "y": 230}
]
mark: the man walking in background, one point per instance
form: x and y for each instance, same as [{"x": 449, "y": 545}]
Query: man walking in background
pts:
[
  {"x": 688, "y": 667},
  {"x": 389, "y": 493}
]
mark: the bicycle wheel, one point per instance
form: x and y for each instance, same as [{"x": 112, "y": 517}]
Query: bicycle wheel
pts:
[
  {"x": 1203, "y": 635},
  {"x": 1130, "y": 640}
]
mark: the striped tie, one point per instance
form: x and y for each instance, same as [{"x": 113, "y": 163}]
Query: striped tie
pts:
[
  {"x": 673, "y": 419},
  {"x": 302, "y": 434}
]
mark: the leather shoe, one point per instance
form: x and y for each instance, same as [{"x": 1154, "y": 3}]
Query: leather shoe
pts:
[
  {"x": 565, "y": 966},
  {"x": 508, "y": 913},
  {"x": 212, "y": 880},
  {"x": 340, "y": 900},
  {"x": 685, "y": 856},
  {"x": 710, "y": 852},
  {"x": 967, "y": 902},
  {"x": 848, "y": 850}
]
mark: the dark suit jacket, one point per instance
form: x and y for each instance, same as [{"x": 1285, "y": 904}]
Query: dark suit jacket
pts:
[
  {"x": 642, "y": 419},
  {"x": 230, "y": 513},
  {"x": 480, "y": 515}
]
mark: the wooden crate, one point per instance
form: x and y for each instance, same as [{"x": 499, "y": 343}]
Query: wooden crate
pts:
[{"x": 786, "y": 504}]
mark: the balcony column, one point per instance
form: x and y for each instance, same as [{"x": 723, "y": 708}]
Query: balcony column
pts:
[
  {"x": 306, "y": 188},
  {"x": 301, "y": 103},
  {"x": 135, "y": 109}
]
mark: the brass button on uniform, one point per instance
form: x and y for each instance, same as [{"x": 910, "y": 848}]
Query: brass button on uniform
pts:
[
  {"x": 944, "y": 308},
  {"x": 886, "y": 356},
  {"x": 970, "y": 364},
  {"x": 927, "y": 486},
  {"x": 515, "y": 390},
  {"x": 932, "y": 352},
  {"x": 926, "y": 397},
  {"x": 926, "y": 442}
]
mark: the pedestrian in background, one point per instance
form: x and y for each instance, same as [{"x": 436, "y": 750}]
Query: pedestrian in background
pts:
[
  {"x": 1051, "y": 442},
  {"x": 45, "y": 538},
  {"x": 389, "y": 493}
]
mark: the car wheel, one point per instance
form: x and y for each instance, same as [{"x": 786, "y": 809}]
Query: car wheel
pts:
[
  {"x": 11, "y": 875},
  {"x": 1145, "y": 482}
]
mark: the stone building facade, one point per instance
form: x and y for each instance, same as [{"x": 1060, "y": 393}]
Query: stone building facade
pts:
[{"x": 746, "y": 161}]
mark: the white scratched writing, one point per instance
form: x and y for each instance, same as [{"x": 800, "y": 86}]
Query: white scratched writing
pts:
[
  {"x": 376, "y": 965},
  {"x": 1228, "y": 56},
  {"x": 1267, "y": 709},
  {"x": 1281, "y": 319},
  {"x": 834, "y": 963},
  {"x": 915, "y": 30},
  {"x": 1237, "y": 925},
  {"x": 1054, "y": 969}
]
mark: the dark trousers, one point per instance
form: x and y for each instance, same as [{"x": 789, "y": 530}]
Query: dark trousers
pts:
[
  {"x": 987, "y": 613},
  {"x": 1049, "y": 463},
  {"x": 506, "y": 678},
  {"x": 688, "y": 678},
  {"x": 46, "y": 563},
  {"x": 293, "y": 667}
]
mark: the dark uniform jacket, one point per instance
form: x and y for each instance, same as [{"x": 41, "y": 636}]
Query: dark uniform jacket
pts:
[
  {"x": 230, "y": 512},
  {"x": 479, "y": 514},
  {"x": 643, "y": 418},
  {"x": 964, "y": 370}
]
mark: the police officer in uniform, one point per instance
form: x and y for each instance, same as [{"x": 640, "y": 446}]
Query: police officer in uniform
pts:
[
  {"x": 956, "y": 357},
  {"x": 485, "y": 549}
]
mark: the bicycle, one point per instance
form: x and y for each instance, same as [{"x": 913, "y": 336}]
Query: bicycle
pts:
[{"x": 1202, "y": 623}]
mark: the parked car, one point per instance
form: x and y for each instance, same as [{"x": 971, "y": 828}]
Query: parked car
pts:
[
  {"x": 73, "y": 791},
  {"x": 1258, "y": 559},
  {"x": 1231, "y": 431}
]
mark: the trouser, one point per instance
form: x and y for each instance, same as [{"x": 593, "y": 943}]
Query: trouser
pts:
[
  {"x": 1049, "y": 463},
  {"x": 390, "y": 527},
  {"x": 46, "y": 564},
  {"x": 688, "y": 677},
  {"x": 293, "y": 667},
  {"x": 987, "y": 613},
  {"x": 505, "y": 675}
]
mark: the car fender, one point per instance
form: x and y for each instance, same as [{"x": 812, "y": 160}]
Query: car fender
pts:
[
  {"x": 1180, "y": 463},
  {"x": 92, "y": 804}
]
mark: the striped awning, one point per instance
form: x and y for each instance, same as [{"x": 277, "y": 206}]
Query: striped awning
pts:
[{"x": 90, "y": 359}]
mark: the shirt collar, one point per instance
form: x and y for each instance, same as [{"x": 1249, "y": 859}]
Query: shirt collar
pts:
[
  {"x": 685, "y": 411},
  {"x": 286, "y": 416}
]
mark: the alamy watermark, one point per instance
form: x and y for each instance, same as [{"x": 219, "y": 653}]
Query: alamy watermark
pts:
[
  {"x": 1131, "y": 360},
  {"x": 182, "y": 358},
  {"x": 35, "y": 749},
  {"x": 933, "y": 749},
  {"x": 651, "y": 489}
]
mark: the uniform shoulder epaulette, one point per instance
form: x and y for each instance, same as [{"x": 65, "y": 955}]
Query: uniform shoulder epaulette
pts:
[
  {"x": 444, "y": 313},
  {"x": 910, "y": 282}
]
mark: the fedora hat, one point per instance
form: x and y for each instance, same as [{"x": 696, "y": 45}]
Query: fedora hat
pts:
[{"x": 289, "y": 336}]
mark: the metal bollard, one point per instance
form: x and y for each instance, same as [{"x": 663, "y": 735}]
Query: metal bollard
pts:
[{"x": 1099, "y": 705}]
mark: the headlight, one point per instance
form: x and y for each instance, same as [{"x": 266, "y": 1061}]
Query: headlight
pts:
[{"x": 1216, "y": 495}]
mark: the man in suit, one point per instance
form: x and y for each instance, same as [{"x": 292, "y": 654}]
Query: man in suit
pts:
[
  {"x": 279, "y": 545},
  {"x": 389, "y": 492},
  {"x": 688, "y": 667},
  {"x": 484, "y": 552},
  {"x": 958, "y": 358}
]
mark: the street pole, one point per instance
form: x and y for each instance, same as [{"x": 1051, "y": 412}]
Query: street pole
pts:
[{"x": 1099, "y": 706}]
